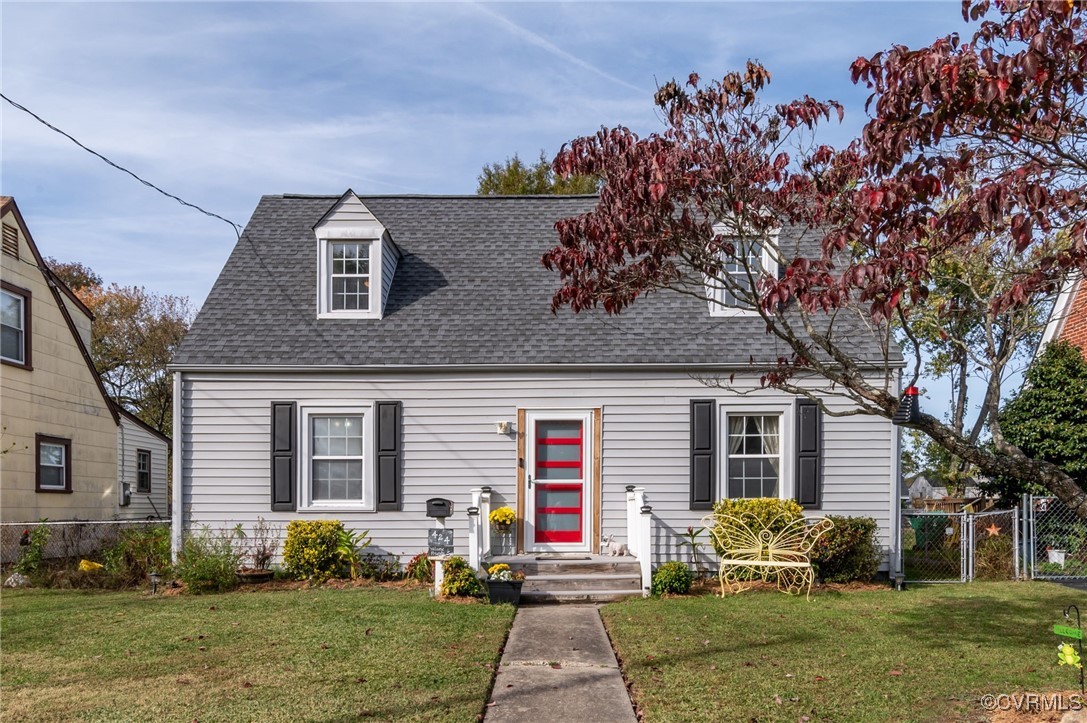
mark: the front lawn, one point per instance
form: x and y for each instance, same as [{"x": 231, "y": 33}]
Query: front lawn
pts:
[
  {"x": 312, "y": 654},
  {"x": 925, "y": 654}
]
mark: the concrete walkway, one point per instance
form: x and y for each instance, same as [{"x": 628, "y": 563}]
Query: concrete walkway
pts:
[{"x": 558, "y": 666}]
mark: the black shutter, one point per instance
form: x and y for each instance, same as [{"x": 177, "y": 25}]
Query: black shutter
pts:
[
  {"x": 809, "y": 454},
  {"x": 389, "y": 422},
  {"x": 703, "y": 453},
  {"x": 284, "y": 466}
]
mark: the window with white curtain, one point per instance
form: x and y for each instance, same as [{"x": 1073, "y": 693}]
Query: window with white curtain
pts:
[{"x": 753, "y": 456}]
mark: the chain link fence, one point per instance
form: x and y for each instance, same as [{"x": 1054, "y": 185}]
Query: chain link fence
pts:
[
  {"x": 67, "y": 540},
  {"x": 933, "y": 546},
  {"x": 1057, "y": 545},
  {"x": 960, "y": 546}
]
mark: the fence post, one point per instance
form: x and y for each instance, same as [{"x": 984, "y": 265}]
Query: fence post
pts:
[{"x": 1015, "y": 539}]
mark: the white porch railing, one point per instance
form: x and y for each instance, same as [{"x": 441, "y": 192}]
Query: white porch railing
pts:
[
  {"x": 479, "y": 531},
  {"x": 640, "y": 533}
]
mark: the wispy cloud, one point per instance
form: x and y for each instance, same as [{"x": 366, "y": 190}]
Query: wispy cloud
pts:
[{"x": 541, "y": 42}]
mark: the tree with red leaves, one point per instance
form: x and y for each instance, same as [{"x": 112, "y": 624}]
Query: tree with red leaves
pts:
[{"x": 975, "y": 156}]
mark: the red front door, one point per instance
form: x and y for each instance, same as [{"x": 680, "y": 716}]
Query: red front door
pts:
[{"x": 557, "y": 481}]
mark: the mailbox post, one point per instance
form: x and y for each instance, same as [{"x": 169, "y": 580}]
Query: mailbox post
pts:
[{"x": 439, "y": 539}]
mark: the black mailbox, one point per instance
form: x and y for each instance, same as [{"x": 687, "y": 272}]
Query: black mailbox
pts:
[{"x": 438, "y": 507}]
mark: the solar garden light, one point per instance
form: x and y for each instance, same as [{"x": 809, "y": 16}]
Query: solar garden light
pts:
[{"x": 155, "y": 577}]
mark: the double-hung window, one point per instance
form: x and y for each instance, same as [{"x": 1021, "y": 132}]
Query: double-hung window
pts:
[
  {"x": 753, "y": 455},
  {"x": 337, "y": 466},
  {"x": 349, "y": 275},
  {"x": 54, "y": 464},
  {"x": 15, "y": 325},
  {"x": 731, "y": 291},
  {"x": 143, "y": 470},
  {"x": 349, "y": 279}
]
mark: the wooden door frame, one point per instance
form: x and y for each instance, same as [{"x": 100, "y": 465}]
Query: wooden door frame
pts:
[{"x": 597, "y": 481}]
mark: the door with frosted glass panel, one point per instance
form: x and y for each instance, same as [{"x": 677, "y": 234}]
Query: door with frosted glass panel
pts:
[{"x": 558, "y": 464}]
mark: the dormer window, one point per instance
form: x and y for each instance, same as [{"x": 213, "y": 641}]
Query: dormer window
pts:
[
  {"x": 356, "y": 260},
  {"x": 349, "y": 275},
  {"x": 732, "y": 292},
  {"x": 345, "y": 278}
]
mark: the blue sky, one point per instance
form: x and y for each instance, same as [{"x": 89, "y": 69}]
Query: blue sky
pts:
[{"x": 221, "y": 103}]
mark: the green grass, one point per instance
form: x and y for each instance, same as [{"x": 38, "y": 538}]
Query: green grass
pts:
[
  {"x": 925, "y": 654},
  {"x": 311, "y": 654}
]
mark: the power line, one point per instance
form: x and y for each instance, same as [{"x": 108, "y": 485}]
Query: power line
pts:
[{"x": 183, "y": 202}]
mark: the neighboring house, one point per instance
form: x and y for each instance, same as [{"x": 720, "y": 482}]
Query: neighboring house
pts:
[
  {"x": 358, "y": 356},
  {"x": 1068, "y": 320},
  {"x": 68, "y": 450}
]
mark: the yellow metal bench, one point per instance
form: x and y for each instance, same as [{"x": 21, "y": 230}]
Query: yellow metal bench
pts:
[{"x": 781, "y": 557}]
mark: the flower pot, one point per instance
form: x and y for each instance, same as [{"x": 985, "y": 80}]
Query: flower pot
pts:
[
  {"x": 252, "y": 577},
  {"x": 504, "y": 591},
  {"x": 501, "y": 529},
  {"x": 1057, "y": 556}
]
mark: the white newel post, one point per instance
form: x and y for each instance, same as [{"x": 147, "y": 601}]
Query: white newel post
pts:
[
  {"x": 479, "y": 533},
  {"x": 473, "y": 534},
  {"x": 484, "y": 505},
  {"x": 645, "y": 542},
  {"x": 632, "y": 519},
  {"x": 439, "y": 568}
]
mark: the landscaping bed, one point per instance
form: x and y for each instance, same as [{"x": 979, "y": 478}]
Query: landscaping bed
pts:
[
  {"x": 925, "y": 654},
  {"x": 381, "y": 652}
]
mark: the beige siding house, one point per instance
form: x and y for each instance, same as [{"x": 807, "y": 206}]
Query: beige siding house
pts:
[{"x": 63, "y": 456}]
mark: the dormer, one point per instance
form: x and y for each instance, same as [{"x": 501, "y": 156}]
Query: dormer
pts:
[
  {"x": 356, "y": 260},
  {"x": 756, "y": 255}
]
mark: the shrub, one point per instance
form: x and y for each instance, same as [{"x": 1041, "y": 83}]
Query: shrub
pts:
[
  {"x": 312, "y": 549},
  {"x": 994, "y": 558},
  {"x": 349, "y": 548},
  {"x": 847, "y": 552},
  {"x": 459, "y": 579},
  {"x": 759, "y": 512},
  {"x": 262, "y": 544},
  {"x": 137, "y": 553},
  {"x": 672, "y": 577},
  {"x": 33, "y": 542},
  {"x": 379, "y": 567},
  {"x": 419, "y": 570},
  {"x": 208, "y": 562}
]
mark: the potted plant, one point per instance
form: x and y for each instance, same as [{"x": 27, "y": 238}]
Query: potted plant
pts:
[
  {"x": 261, "y": 549},
  {"x": 501, "y": 519},
  {"x": 503, "y": 584}
]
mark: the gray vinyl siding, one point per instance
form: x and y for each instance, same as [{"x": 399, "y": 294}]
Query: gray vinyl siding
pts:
[
  {"x": 130, "y": 437},
  {"x": 450, "y": 446}
]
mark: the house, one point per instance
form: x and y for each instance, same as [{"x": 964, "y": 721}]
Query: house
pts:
[
  {"x": 1068, "y": 319},
  {"x": 69, "y": 452},
  {"x": 358, "y": 356}
]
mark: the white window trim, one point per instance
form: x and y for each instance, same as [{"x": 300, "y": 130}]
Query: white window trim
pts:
[
  {"x": 22, "y": 326},
  {"x": 717, "y": 308},
  {"x": 305, "y": 497},
  {"x": 786, "y": 444},
  {"x": 324, "y": 306}
]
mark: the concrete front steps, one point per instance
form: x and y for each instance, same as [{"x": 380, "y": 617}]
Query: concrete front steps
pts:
[{"x": 575, "y": 578}]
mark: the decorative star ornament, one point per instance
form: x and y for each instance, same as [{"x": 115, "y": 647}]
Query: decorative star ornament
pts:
[{"x": 993, "y": 530}]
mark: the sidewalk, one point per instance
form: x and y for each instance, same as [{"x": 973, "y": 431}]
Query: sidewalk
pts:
[{"x": 558, "y": 666}]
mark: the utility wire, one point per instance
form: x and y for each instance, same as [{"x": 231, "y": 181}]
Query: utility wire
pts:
[{"x": 183, "y": 202}]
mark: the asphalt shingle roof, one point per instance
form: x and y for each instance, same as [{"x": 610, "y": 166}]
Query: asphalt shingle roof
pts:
[{"x": 470, "y": 289}]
